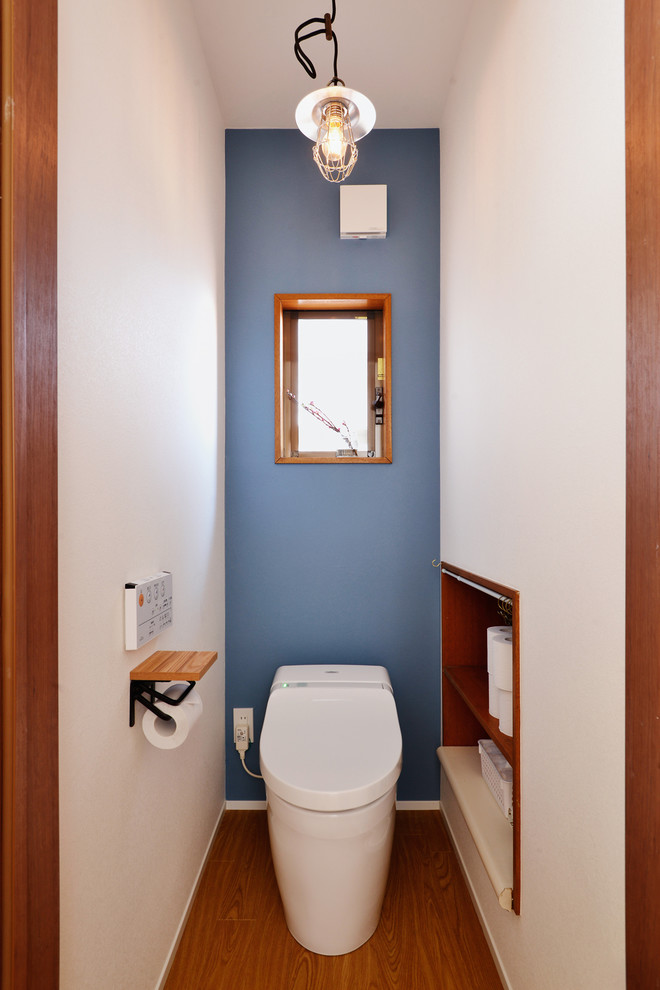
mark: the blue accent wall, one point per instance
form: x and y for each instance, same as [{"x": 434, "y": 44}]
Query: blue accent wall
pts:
[{"x": 332, "y": 563}]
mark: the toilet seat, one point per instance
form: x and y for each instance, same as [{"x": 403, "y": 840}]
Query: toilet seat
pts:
[{"x": 330, "y": 744}]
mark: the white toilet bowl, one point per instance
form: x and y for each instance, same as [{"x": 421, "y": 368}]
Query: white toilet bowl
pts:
[{"x": 330, "y": 756}]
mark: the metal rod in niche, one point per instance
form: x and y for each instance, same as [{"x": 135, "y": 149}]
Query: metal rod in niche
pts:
[{"x": 473, "y": 584}]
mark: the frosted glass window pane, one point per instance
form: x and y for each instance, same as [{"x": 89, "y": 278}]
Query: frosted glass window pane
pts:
[{"x": 332, "y": 383}]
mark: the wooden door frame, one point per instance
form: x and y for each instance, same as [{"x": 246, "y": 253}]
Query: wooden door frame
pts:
[
  {"x": 30, "y": 908},
  {"x": 28, "y": 256},
  {"x": 643, "y": 495}
]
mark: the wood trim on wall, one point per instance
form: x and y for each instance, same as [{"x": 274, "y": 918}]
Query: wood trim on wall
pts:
[
  {"x": 643, "y": 496},
  {"x": 28, "y": 256}
]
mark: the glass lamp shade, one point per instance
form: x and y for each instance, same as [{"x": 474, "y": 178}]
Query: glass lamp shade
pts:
[{"x": 335, "y": 118}]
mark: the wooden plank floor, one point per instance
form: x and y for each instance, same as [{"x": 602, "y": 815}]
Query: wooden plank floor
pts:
[{"x": 429, "y": 937}]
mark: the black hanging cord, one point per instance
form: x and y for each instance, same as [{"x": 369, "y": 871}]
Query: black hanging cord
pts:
[{"x": 330, "y": 35}]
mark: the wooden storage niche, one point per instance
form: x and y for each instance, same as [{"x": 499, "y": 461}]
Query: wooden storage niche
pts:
[{"x": 469, "y": 607}]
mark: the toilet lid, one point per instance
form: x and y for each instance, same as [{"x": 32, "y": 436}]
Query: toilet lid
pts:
[{"x": 330, "y": 748}]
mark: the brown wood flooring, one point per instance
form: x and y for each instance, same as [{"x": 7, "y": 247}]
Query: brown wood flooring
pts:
[{"x": 429, "y": 937}]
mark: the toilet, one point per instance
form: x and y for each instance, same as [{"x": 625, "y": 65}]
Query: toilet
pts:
[{"x": 330, "y": 755}]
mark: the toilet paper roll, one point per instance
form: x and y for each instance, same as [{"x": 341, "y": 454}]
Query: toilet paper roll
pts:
[
  {"x": 502, "y": 661},
  {"x": 493, "y": 697},
  {"x": 491, "y": 633},
  {"x": 505, "y": 702},
  {"x": 169, "y": 735}
]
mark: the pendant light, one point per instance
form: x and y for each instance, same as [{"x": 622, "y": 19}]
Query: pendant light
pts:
[{"x": 334, "y": 117}]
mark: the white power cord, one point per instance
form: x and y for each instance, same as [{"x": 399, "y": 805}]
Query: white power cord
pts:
[
  {"x": 242, "y": 742},
  {"x": 257, "y": 775}
]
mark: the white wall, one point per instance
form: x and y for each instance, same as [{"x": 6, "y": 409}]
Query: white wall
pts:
[
  {"x": 533, "y": 444},
  {"x": 141, "y": 469}
]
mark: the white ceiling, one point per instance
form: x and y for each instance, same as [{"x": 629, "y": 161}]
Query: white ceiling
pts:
[{"x": 399, "y": 53}]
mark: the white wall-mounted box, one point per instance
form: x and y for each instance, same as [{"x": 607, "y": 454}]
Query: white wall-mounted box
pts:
[{"x": 362, "y": 212}]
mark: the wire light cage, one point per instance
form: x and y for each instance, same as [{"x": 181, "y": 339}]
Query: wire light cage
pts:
[{"x": 335, "y": 152}]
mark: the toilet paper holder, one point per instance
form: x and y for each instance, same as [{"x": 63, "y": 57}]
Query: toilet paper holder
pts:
[
  {"x": 167, "y": 666},
  {"x": 140, "y": 688}
]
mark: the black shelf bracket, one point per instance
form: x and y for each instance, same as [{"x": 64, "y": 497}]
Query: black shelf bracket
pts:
[{"x": 145, "y": 692}]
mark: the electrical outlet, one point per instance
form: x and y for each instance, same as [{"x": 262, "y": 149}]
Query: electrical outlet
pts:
[{"x": 244, "y": 716}]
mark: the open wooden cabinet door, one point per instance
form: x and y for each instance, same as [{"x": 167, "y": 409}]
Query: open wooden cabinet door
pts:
[{"x": 28, "y": 264}]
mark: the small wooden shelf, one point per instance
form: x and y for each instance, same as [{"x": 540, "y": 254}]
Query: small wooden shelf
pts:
[
  {"x": 174, "y": 665},
  {"x": 166, "y": 665},
  {"x": 487, "y": 825},
  {"x": 472, "y": 685}
]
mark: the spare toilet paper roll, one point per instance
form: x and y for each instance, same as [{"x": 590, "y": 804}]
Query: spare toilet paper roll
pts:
[
  {"x": 170, "y": 734},
  {"x": 493, "y": 695},
  {"x": 491, "y": 633},
  {"x": 502, "y": 660},
  {"x": 505, "y": 702}
]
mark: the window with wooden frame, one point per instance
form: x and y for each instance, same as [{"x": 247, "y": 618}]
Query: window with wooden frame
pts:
[{"x": 333, "y": 396}]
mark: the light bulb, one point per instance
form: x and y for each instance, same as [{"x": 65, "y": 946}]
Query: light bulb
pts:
[
  {"x": 334, "y": 144},
  {"x": 335, "y": 152}
]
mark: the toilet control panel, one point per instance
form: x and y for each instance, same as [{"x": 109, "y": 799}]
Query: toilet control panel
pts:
[{"x": 147, "y": 608}]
